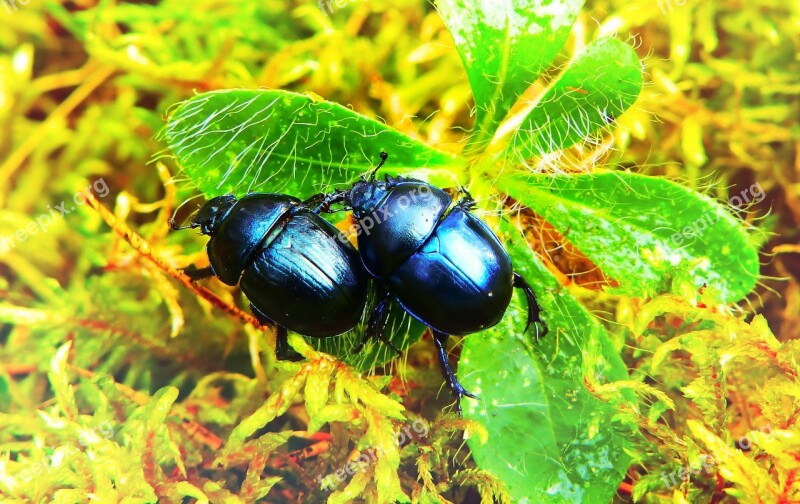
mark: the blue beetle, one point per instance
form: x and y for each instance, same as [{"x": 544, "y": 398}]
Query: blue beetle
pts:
[
  {"x": 441, "y": 263},
  {"x": 298, "y": 271}
]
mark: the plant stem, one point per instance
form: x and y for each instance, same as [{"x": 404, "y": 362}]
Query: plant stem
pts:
[
  {"x": 92, "y": 82},
  {"x": 140, "y": 245}
]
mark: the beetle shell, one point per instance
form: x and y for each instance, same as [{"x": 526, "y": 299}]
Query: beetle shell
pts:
[
  {"x": 399, "y": 225},
  {"x": 297, "y": 269},
  {"x": 307, "y": 279},
  {"x": 460, "y": 281},
  {"x": 242, "y": 230},
  {"x": 446, "y": 269}
]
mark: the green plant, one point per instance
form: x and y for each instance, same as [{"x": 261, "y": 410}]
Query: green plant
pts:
[
  {"x": 271, "y": 140},
  {"x": 119, "y": 383}
]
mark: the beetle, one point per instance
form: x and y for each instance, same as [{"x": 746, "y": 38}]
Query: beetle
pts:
[
  {"x": 297, "y": 270},
  {"x": 440, "y": 262}
]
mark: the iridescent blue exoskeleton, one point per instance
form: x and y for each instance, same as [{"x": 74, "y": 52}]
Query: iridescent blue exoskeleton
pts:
[
  {"x": 298, "y": 271},
  {"x": 431, "y": 255}
]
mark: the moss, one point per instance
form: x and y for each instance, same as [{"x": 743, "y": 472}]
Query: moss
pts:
[{"x": 119, "y": 382}]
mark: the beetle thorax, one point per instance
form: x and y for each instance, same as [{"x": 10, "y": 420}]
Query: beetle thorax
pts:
[
  {"x": 212, "y": 213},
  {"x": 365, "y": 196}
]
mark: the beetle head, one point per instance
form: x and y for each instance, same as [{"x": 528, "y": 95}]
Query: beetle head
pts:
[
  {"x": 212, "y": 213},
  {"x": 365, "y": 194}
]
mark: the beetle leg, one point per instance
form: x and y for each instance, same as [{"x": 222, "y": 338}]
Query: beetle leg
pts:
[
  {"x": 321, "y": 202},
  {"x": 282, "y": 349},
  {"x": 196, "y": 273},
  {"x": 377, "y": 323},
  {"x": 533, "y": 306},
  {"x": 466, "y": 203},
  {"x": 449, "y": 376}
]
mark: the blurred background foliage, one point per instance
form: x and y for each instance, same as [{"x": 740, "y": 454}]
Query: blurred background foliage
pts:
[{"x": 84, "y": 89}]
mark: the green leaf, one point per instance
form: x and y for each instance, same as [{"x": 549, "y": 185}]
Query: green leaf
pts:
[
  {"x": 159, "y": 407},
  {"x": 550, "y": 440},
  {"x": 401, "y": 330},
  {"x": 186, "y": 489},
  {"x": 5, "y": 391},
  {"x": 331, "y": 413},
  {"x": 278, "y": 141},
  {"x": 60, "y": 383},
  {"x": 275, "y": 406},
  {"x": 752, "y": 481},
  {"x": 264, "y": 444},
  {"x": 317, "y": 390},
  {"x": 383, "y": 438},
  {"x": 505, "y": 45},
  {"x": 352, "y": 491},
  {"x": 640, "y": 229},
  {"x": 234, "y": 141},
  {"x": 368, "y": 394},
  {"x": 598, "y": 87}
]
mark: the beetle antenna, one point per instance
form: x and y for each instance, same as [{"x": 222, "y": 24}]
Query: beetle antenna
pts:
[
  {"x": 174, "y": 225},
  {"x": 374, "y": 172}
]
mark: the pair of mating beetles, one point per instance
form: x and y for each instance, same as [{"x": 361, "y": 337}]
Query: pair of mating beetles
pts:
[{"x": 441, "y": 263}]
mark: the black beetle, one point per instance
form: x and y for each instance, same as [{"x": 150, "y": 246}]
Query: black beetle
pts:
[
  {"x": 440, "y": 262},
  {"x": 298, "y": 271}
]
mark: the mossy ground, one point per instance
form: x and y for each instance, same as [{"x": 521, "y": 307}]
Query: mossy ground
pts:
[{"x": 117, "y": 381}]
